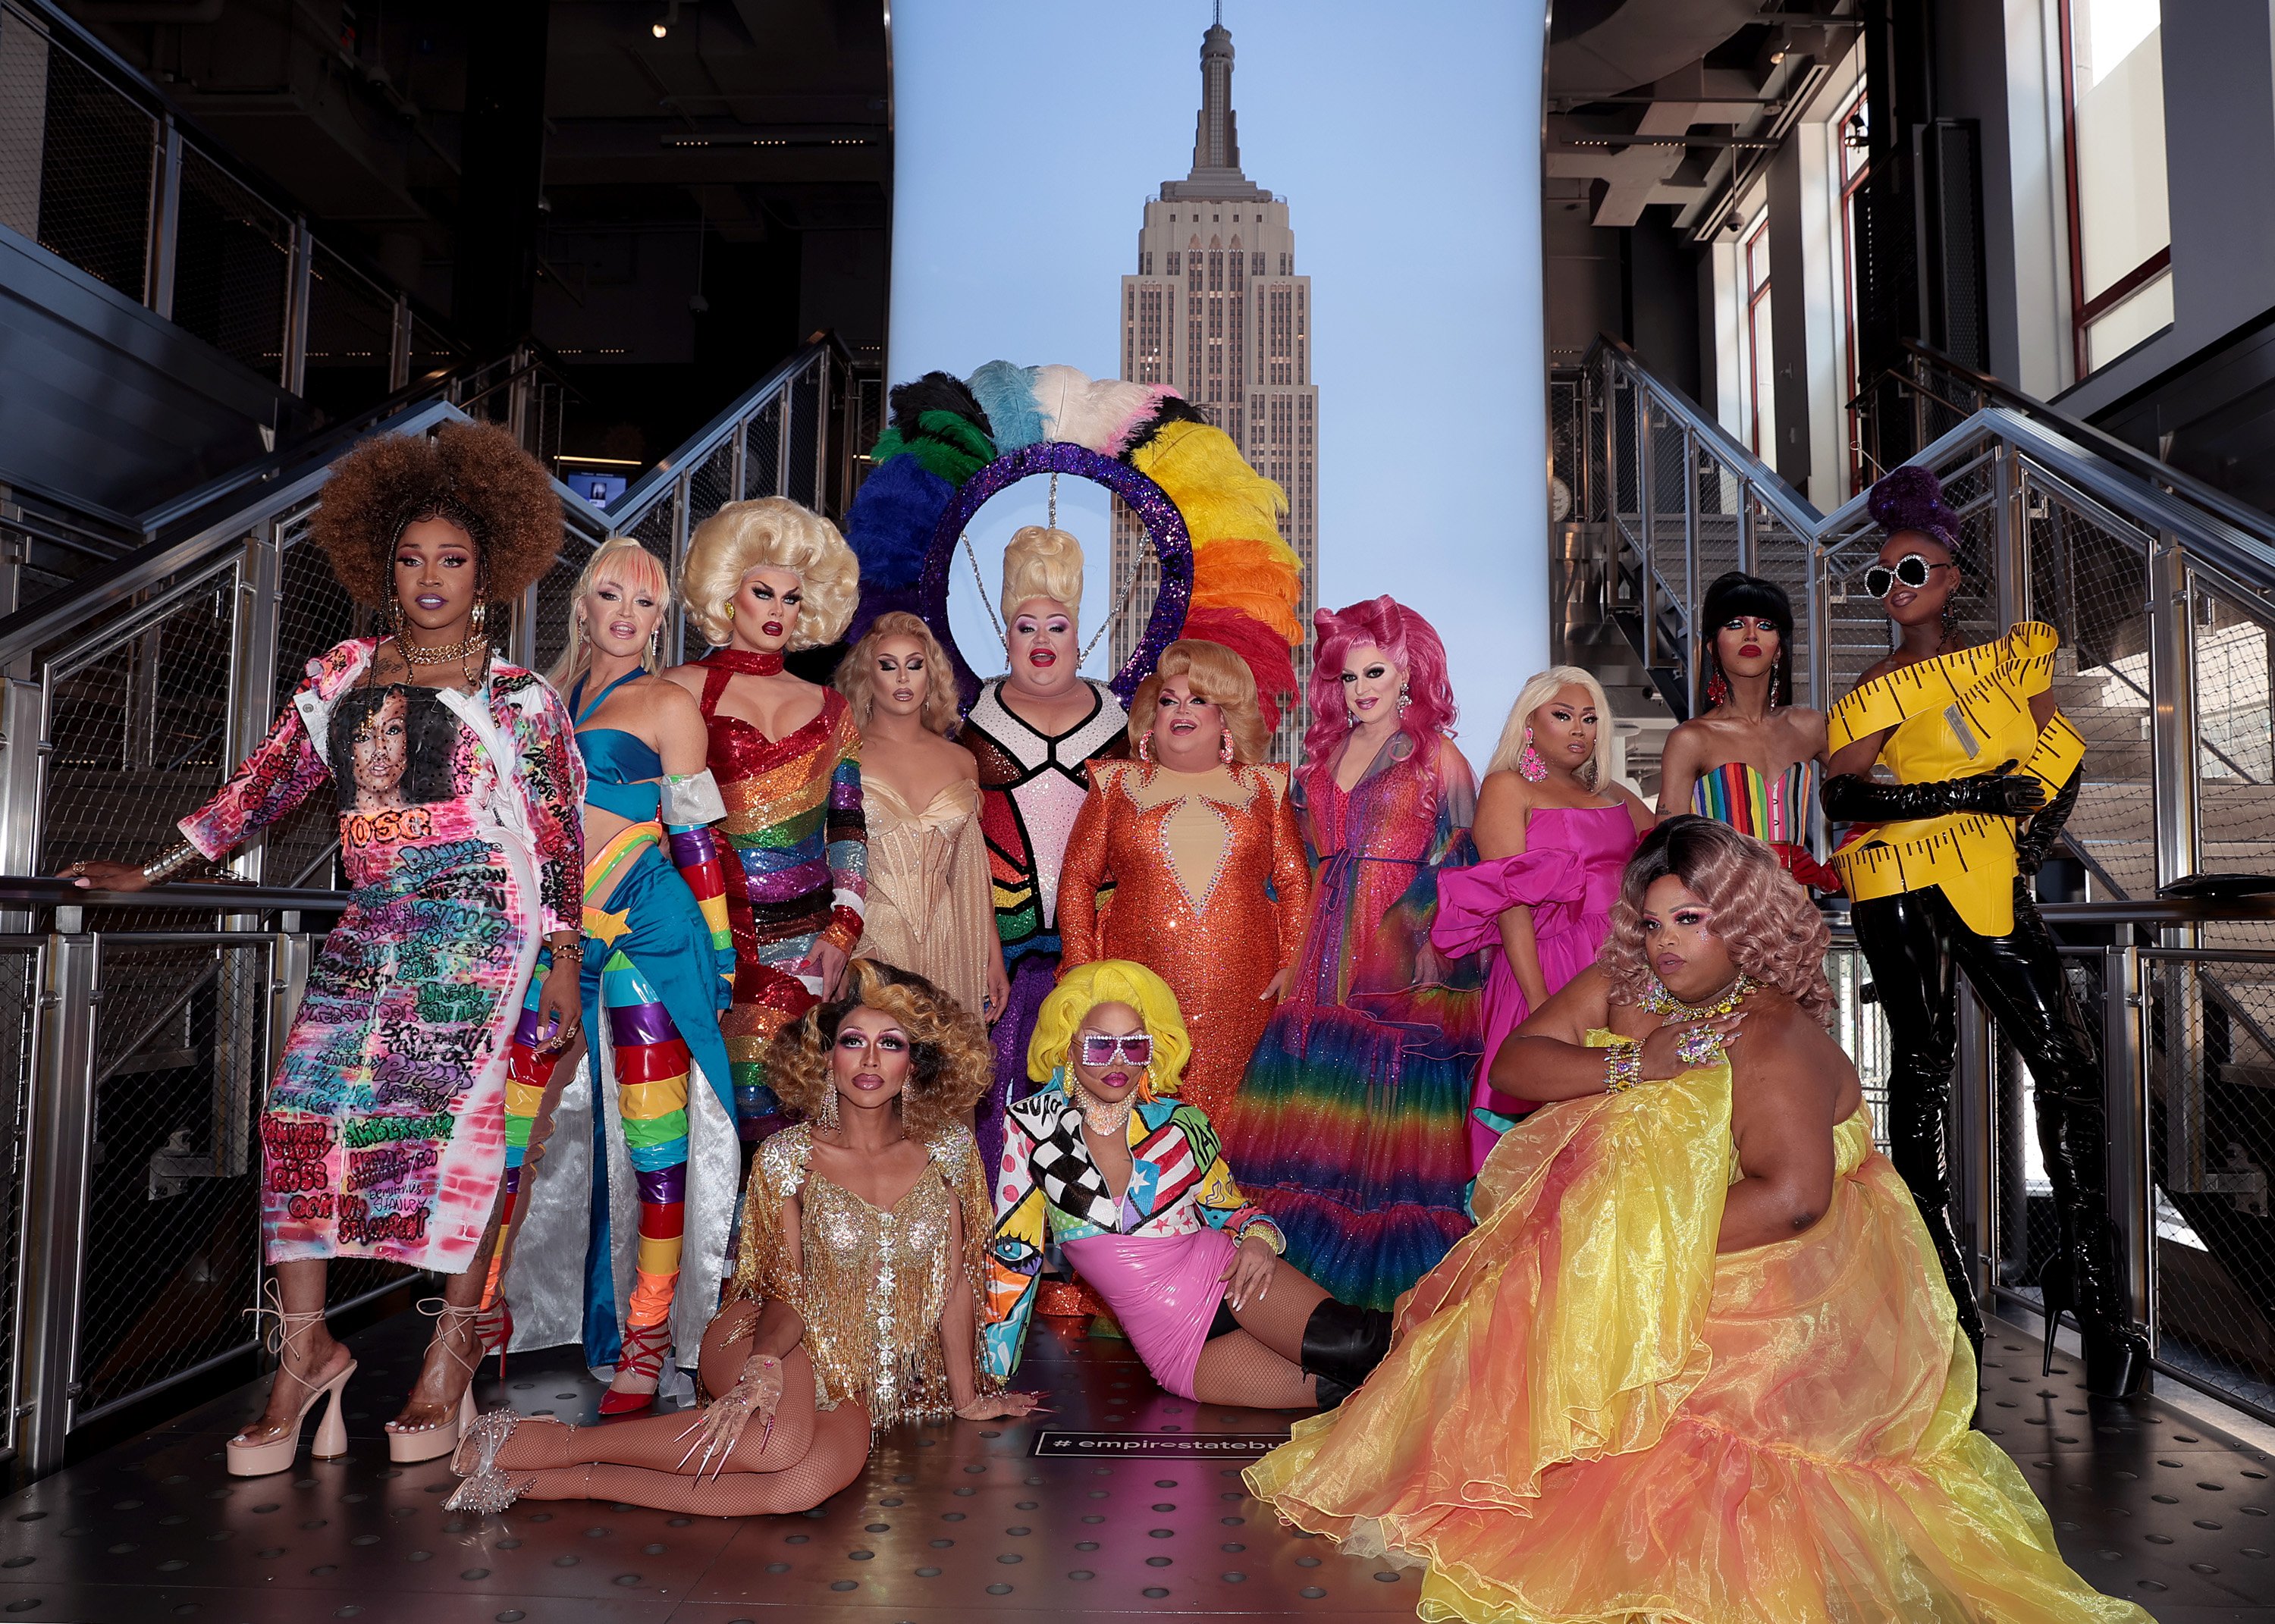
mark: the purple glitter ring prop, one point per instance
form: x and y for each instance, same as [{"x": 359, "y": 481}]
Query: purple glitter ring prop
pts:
[{"x": 1172, "y": 545}]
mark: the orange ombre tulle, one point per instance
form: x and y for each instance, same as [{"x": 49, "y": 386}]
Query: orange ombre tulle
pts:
[{"x": 1591, "y": 1417}]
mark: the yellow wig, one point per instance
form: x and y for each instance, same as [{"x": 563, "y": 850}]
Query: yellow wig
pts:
[{"x": 1112, "y": 981}]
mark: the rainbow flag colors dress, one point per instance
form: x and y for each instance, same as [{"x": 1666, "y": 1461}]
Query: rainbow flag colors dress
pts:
[{"x": 1350, "y": 1128}]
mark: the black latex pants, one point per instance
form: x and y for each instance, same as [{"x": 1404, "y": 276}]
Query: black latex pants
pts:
[{"x": 1914, "y": 943}]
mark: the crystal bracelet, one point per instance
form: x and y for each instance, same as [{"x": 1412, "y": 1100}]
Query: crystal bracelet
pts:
[
  {"x": 1623, "y": 1065},
  {"x": 180, "y": 857}
]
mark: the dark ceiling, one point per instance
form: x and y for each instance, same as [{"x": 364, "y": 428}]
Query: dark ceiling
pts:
[{"x": 706, "y": 199}]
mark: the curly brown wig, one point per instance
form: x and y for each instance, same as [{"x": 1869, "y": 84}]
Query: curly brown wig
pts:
[
  {"x": 473, "y": 474},
  {"x": 950, "y": 1064},
  {"x": 1761, "y": 914}
]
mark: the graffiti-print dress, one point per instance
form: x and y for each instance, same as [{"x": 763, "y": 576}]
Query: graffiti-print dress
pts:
[{"x": 385, "y": 1132}]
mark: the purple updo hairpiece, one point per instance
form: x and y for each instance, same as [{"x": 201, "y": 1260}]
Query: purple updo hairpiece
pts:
[{"x": 1912, "y": 498}]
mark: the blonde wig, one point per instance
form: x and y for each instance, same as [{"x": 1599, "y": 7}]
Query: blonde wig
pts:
[
  {"x": 624, "y": 561},
  {"x": 1112, "y": 981},
  {"x": 857, "y": 673},
  {"x": 1042, "y": 564},
  {"x": 771, "y": 533},
  {"x": 1216, "y": 674},
  {"x": 950, "y": 1064},
  {"x": 1538, "y": 692},
  {"x": 1761, "y": 914}
]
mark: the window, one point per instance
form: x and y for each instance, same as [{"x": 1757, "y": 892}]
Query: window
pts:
[
  {"x": 2120, "y": 232},
  {"x": 1851, "y": 141},
  {"x": 1761, "y": 348}
]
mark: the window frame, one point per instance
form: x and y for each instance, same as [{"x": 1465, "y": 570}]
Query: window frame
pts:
[
  {"x": 2085, "y": 312},
  {"x": 1751, "y": 296}
]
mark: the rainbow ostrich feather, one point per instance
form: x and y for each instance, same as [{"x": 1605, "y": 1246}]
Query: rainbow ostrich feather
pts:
[
  {"x": 1258, "y": 646},
  {"x": 1214, "y": 487},
  {"x": 1260, "y": 579}
]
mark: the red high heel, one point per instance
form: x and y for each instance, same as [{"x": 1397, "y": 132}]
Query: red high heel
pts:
[{"x": 644, "y": 1350}]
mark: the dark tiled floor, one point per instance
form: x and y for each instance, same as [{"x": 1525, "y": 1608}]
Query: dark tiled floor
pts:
[{"x": 958, "y": 1524}]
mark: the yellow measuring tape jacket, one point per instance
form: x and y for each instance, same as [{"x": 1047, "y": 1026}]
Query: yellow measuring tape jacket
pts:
[{"x": 1956, "y": 716}]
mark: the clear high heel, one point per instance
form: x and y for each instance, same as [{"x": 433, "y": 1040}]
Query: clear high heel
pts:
[
  {"x": 407, "y": 1445},
  {"x": 249, "y": 1458}
]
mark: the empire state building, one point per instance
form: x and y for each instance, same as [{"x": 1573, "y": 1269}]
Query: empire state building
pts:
[{"x": 1217, "y": 310}]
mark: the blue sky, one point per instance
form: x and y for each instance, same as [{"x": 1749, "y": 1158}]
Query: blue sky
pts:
[{"x": 1029, "y": 134}]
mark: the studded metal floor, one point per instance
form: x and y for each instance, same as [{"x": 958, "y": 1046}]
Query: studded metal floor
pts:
[{"x": 1122, "y": 1502}]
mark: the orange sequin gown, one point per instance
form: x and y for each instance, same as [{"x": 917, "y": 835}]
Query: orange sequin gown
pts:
[{"x": 1210, "y": 892}]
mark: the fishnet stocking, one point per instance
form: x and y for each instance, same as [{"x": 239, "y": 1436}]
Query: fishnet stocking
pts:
[
  {"x": 1260, "y": 1365},
  {"x": 839, "y": 1440}
]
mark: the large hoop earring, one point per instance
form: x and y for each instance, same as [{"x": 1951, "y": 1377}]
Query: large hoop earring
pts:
[{"x": 1530, "y": 766}]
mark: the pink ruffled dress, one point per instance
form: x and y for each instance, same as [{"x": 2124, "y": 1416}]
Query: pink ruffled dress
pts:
[{"x": 1569, "y": 876}]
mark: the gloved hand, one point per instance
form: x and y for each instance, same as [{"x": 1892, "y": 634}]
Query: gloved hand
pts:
[
  {"x": 2037, "y": 838},
  {"x": 2002, "y": 792}
]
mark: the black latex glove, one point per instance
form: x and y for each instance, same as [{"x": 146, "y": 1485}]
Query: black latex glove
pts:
[
  {"x": 1850, "y": 798},
  {"x": 2039, "y": 837}
]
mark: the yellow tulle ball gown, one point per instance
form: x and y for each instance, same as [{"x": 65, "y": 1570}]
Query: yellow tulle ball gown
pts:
[{"x": 1591, "y": 1415}]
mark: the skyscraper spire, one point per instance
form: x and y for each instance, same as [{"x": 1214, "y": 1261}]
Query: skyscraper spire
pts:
[{"x": 1216, "y": 144}]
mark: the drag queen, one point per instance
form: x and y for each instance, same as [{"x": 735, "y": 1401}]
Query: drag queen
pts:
[
  {"x": 931, "y": 909},
  {"x": 1210, "y": 886},
  {"x": 1349, "y": 1126},
  {"x": 1753, "y": 758},
  {"x": 1106, "y": 1161},
  {"x": 1696, "y": 1362},
  {"x": 854, "y": 1305},
  {"x": 658, "y": 968},
  {"x": 1941, "y": 881},
  {"x": 762, "y": 577},
  {"x": 383, "y": 1136},
  {"x": 1554, "y": 833},
  {"x": 1034, "y": 733}
]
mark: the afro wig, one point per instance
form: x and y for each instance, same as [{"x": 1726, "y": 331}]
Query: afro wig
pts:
[{"x": 473, "y": 474}]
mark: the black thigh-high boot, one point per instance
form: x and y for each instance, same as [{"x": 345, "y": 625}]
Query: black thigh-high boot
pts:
[
  {"x": 2018, "y": 977},
  {"x": 1341, "y": 1346},
  {"x": 1902, "y": 938}
]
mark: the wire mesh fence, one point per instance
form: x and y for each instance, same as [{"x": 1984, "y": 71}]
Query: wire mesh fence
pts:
[
  {"x": 232, "y": 267},
  {"x": 93, "y": 155},
  {"x": 19, "y": 1001}
]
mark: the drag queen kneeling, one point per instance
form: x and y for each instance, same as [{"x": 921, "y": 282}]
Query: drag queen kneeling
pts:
[
  {"x": 854, "y": 1302},
  {"x": 1698, "y": 1359},
  {"x": 1129, "y": 1181}
]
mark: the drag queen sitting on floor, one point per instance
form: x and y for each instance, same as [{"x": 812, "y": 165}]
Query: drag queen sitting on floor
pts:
[
  {"x": 1129, "y": 1181},
  {"x": 854, "y": 1301},
  {"x": 1698, "y": 1359}
]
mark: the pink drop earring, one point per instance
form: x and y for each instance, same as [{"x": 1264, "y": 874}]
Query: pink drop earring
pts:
[
  {"x": 1530, "y": 766},
  {"x": 1144, "y": 747}
]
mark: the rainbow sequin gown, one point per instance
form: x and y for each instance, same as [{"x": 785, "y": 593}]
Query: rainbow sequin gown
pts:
[{"x": 1350, "y": 1128}]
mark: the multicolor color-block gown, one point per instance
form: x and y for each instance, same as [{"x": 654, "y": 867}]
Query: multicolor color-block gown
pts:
[
  {"x": 1031, "y": 787},
  {"x": 797, "y": 866},
  {"x": 384, "y": 1131},
  {"x": 1144, "y": 829},
  {"x": 1350, "y": 1127},
  {"x": 623, "y": 1227}
]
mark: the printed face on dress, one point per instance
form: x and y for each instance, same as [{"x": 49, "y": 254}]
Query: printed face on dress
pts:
[
  {"x": 1041, "y": 641},
  {"x": 437, "y": 569},
  {"x": 766, "y": 606},
  {"x": 902, "y": 679},
  {"x": 1113, "y": 1079},
  {"x": 1188, "y": 731},
  {"x": 1679, "y": 942},
  {"x": 869, "y": 1062},
  {"x": 621, "y": 612},
  {"x": 1370, "y": 685},
  {"x": 383, "y": 751},
  {"x": 1747, "y": 645},
  {"x": 1917, "y": 606},
  {"x": 1564, "y": 729}
]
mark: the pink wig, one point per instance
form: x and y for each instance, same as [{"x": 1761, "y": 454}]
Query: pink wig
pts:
[
  {"x": 1773, "y": 932},
  {"x": 1409, "y": 640}
]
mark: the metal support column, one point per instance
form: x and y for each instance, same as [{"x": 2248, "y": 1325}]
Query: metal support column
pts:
[
  {"x": 2132, "y": 1195},
  {"x": 166, "y": 221},
  {"x": 252, "y": 670},
  {"x": 2172, "y": 730},
  {"x": 294, "y": 372},
  {"x": 60, "y": 1138},
  {"x": 1646, "y": 587},
  {"x": 821, "y": 432},
  {"x": 1745, "y": 526},
  {"x": 1972, "y": 1130},
  {"x": 2009, "y": 539},
  {"x": 398, "y": 345},
  {"x": 1686, "y": 611}
]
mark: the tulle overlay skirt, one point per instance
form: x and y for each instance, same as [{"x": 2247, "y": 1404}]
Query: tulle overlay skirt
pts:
[
  {"x": 1349, "y": 1131},
  {"x": 1591, "y": 1417}
]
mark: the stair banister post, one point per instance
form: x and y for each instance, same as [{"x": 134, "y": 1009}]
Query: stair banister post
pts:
[
  {"x": 1746, "y": 525},
  {"x": 2172, "y": 713},
  {"x": 1690, "y": 583},
  {"x": 1644, "y": 501},
  {"x": 2125, "y": 1095},
  {"x": 2010, "y": 546}
]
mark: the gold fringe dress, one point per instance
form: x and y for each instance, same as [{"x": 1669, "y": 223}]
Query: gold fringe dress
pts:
[{"x": 871, "y": 1285}]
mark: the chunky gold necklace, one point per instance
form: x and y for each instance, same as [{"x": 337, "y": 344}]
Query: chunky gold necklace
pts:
[
  {"x": 416, "y": 655},
  {"x": 1659, "y": 1001}
]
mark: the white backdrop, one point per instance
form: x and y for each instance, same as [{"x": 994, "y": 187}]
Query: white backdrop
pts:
[{"x": 1028, "y": 134}]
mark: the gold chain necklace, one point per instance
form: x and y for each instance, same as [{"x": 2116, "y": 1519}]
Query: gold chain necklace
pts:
[
  {"x": 1659, "y": 1001},
  {"x": 414, "y": 654}
]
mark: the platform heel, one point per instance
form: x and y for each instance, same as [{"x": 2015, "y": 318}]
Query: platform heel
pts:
[
  {"x": 407, "y": 1445},
  {"x": 247, "y": 1458}
]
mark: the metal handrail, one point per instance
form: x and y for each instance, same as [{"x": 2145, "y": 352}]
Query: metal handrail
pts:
[
  {"x": 657, "y": 483},
  {"x": 1788, "y": 503},
  {"x": 19, "y": 891}
]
